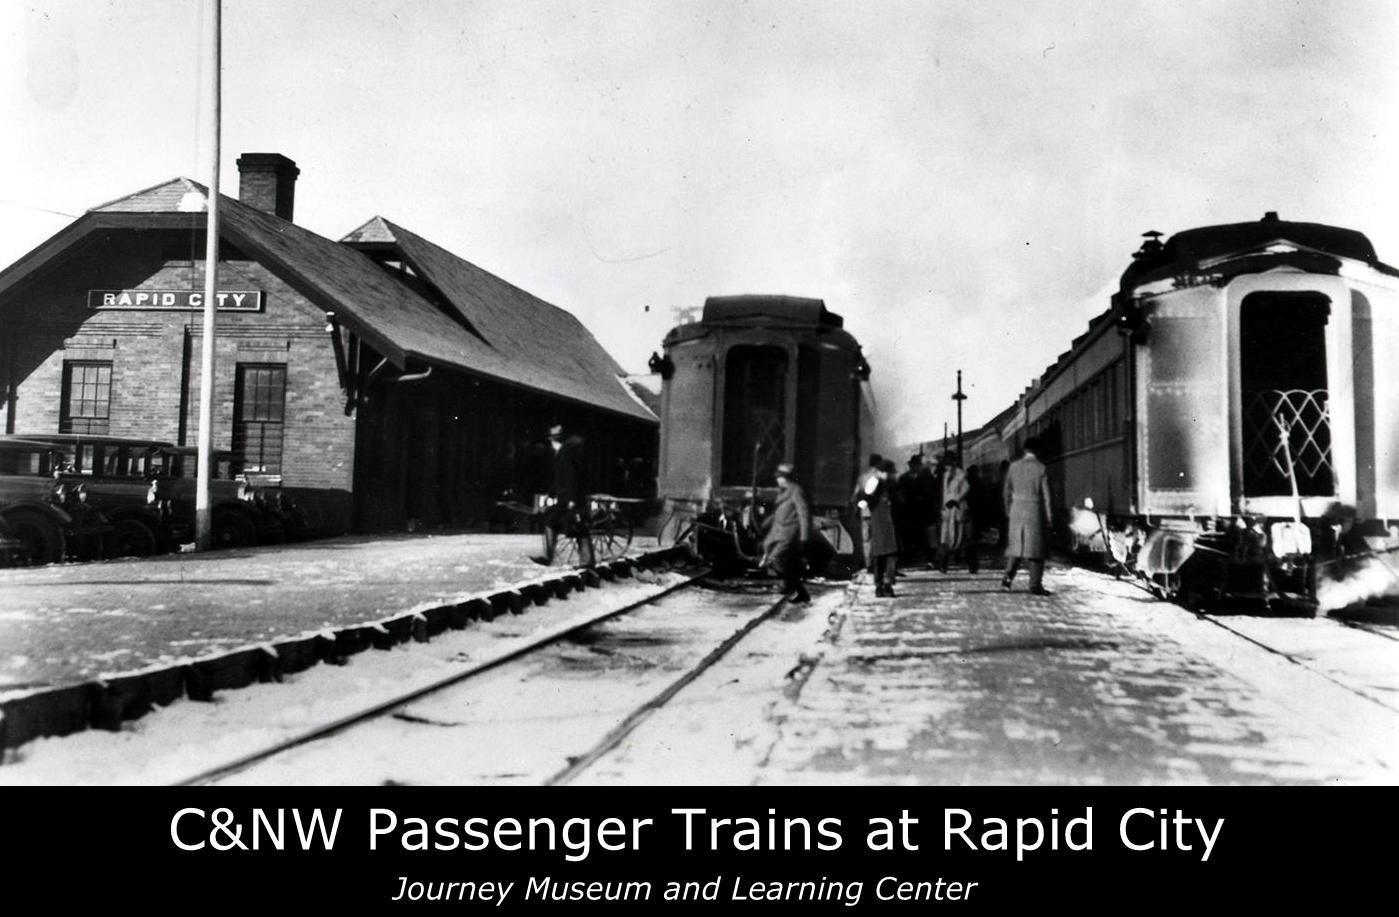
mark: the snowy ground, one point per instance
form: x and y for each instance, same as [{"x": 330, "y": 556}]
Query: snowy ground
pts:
[
  {"x": 67, "y": 623},
  {"x": 952, "y": 682},
  {"x": 187, "y": 737}
]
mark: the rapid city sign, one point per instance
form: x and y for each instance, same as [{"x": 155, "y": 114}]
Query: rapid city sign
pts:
[{"x": 228, "y": 300}]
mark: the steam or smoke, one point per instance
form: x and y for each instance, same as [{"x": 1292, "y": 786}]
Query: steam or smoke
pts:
[{"x": 1370, "y": 578}]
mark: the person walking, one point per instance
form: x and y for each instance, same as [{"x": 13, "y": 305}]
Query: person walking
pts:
[
  {"x": 857, "y": 498},
  {"x": 884, "y": 541},
  {"x": 1028, "y": 513},
  {"x": 955, "y": 491},
  {"x": 788, "y": 529},
  {"x": 569, "y": 512}
]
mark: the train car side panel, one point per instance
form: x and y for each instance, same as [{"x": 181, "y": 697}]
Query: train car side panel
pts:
[
  {"x": 1376, "y": 342},
  {"x": 832, "y": 403},
  {"x": 1183, "y": 405},
  {"x": 688, "y": 433}
]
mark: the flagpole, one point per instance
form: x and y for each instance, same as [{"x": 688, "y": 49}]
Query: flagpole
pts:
[{"x": 203, "y": 524}]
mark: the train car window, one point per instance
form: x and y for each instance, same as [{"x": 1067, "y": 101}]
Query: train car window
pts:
[
  {"x": 755, "y": 408},
  {"x": 1283, "y": 378}
]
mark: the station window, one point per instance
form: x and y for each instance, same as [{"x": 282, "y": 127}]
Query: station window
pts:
[
  {"x": 259, "y": 408},
  {"x": 87, "y": 397}
]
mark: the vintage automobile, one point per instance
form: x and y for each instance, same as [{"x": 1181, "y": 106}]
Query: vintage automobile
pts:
[
  {"x": 247, "y": 509},
  {"x": 45, "y": 517},
  {"x": 145, "y": 489}
]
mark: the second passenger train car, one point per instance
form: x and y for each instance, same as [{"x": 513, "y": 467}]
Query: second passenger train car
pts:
[{"x": 757, "y": 381}]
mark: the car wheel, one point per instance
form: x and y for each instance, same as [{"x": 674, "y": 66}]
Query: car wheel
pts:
[
  {"x": 233, "y": 530},
  {"x": 133, "y": 538},
  {"x": 40, "y": 538}
]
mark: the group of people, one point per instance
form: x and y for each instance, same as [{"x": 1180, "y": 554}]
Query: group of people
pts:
[
  {"x": 933, "y": 515},
  {"x": 925, "y": 514}
]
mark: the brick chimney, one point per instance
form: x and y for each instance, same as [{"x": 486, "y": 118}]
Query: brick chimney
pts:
[{"x": 267, "y": 181}]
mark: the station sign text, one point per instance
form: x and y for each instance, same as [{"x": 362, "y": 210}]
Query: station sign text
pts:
[{"x": 228, "y": 300}]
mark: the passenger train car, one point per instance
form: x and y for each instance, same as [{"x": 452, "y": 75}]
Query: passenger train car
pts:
[
  {"x": 757, "y": 381},
  {"x": 1230, "y": 425}
]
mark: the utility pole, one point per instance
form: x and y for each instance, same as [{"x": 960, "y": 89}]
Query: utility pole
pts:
[
  {"x": 959, "y": 397},
  {"x": 203, "y": 522}
]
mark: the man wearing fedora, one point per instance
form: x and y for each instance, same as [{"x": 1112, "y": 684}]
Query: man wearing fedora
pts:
[
  {"x": 570, "y": 495},
  {"x": 788, "y": 529}
]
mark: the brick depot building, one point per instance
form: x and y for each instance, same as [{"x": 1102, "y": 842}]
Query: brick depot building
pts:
[{"x": 383, "y": 378}]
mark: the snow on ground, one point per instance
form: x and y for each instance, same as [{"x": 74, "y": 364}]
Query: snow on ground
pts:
[
  {"x": 60, "y": 624},
  {"x": 186, "y": 737}
]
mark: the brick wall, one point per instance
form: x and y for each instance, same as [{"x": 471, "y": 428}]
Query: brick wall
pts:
[{"x": 155, "y": 355}]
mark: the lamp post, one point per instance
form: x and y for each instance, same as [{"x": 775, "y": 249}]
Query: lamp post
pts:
[{"x": 959, "y": 397}]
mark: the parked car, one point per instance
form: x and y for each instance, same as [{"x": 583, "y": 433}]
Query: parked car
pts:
[
  {"x": 46, "y": 516},
  {"x": 145, "y": 489}
]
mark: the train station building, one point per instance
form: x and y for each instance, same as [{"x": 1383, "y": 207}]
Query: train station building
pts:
[{"x": 383, "y": 380}]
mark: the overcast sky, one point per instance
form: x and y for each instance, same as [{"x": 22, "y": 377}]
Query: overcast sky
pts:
[{"x": 963, "y": 181}]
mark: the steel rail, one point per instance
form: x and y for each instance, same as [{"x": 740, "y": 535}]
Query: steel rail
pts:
[
  {"x": 364, "y": 714},
  {"x": 1213, "y": 619},
  {"x": 643, "y": 712}
]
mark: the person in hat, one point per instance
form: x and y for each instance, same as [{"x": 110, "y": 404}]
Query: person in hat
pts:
[
  {"x": 884, "y": 541},
  {"x": 788, "y": 529},
  {"x": 569, "y": 491},
  {"x": 1028, "y": 510}
]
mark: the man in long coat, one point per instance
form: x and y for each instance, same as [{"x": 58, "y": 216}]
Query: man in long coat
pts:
[
  {"x": 570, "y": 492},
  {"x": 884, "y": 541},
  {"x": 1028, "y": 512},
  {"x": 788, "y": 529}
]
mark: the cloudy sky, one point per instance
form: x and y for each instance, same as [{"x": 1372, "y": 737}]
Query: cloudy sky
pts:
[{"x": 963, "y": 180}]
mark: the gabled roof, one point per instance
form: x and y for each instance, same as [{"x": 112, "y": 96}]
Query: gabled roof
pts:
[
  {"x": 387, "y": 313},
  {"x": 538, "y": 344}
]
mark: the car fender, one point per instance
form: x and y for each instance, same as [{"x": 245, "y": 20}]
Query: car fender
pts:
[{"x": 53, "y": 512}]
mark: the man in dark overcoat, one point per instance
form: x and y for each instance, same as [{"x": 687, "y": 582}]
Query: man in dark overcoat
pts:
[
  {"x": 788, "y": 529},
  {"x": 884, "y": 542},
  {"x": 910, "y": 510},
  {"x": 1028, "y": 513},
  {"x": 569, "y": 491}
]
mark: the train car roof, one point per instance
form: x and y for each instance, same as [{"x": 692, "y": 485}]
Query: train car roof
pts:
[
  {"x": 796, "y": 310},
  {"x": 1192, "y": 247}
]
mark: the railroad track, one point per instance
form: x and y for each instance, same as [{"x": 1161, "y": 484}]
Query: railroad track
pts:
[
  {"x": 765, "y": 607},
  {"x": 1222, "y": 622}
]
